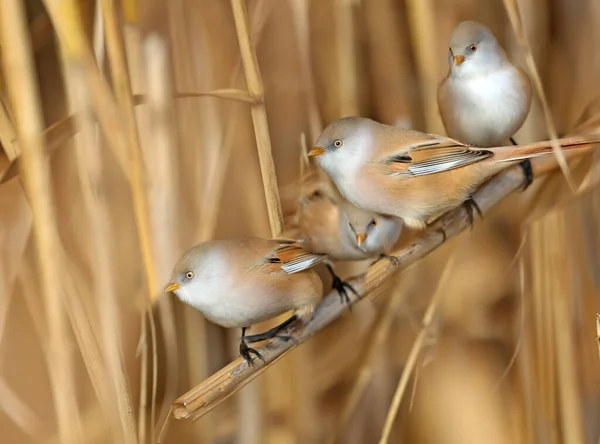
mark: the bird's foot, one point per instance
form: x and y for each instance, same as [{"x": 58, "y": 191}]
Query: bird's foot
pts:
[
  {"x": 527, "y": 172},
  {"x": 471, "y": 206},
  {"x": 272, "y": 333},
  {"x": 513, "y": 141},
  {"x": 342, "y": 288},
  {"x": 246, "y": 353}
]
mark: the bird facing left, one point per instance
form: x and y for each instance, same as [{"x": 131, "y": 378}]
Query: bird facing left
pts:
[{"x": 237, "y": 283}]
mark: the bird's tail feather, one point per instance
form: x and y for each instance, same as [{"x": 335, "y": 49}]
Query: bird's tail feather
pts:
[{"x": 513, "y": 153}]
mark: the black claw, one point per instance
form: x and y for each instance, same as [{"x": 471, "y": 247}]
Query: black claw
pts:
[
  {"x": 341, "y": 288},
  {"x": 246, "y": 351},
  {"x": 470, "y": 206},
  {"x": 513, "y": 141},
  {"x": 272, "y": 333},
  {"x": 527, "y": 172}
]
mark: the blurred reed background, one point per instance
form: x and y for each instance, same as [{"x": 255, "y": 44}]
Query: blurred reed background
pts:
[{"x": 144, "y": 166}]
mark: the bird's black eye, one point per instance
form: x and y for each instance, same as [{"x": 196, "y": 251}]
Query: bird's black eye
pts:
[
  {"x": 472, "y": 48},
  {"x": 373, "y": 222},
  {"x": 337, "y": 143},
  {"x": 189, "y": 274}
]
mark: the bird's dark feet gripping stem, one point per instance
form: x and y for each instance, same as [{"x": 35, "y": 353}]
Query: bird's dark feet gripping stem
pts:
[{"x": 342, "y": 287}]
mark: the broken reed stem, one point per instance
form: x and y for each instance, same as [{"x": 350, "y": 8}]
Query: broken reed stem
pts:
[
  {"x": 21, "y": 76},
  {"x": 259, "y": 116},
  {"x": 214, "y": 390},
  {"x": 415, "y": 351},
  {"x": 514, "y": 16}
]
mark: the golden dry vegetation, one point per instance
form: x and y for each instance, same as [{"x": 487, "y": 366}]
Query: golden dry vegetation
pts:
[{"x": 146, "y": 162}]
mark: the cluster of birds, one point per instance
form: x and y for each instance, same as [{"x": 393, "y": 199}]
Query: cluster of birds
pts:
[{"x": 387, "y": 177}]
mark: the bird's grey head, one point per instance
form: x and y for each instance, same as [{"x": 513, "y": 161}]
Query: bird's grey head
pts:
[
  {"x": 187, "y": 273},
  {"x": 474, "y": 50},
  {"x": 343, "y": 135},
  {"x": 371, "y": 232}
]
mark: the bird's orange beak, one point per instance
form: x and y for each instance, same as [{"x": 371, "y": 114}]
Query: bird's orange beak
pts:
[
  {"x": 360, "y": 238},
  {"x": 316, "y": 151},
  {"x": 171, "y": 287},
  {"x": 458, "y": 60}
]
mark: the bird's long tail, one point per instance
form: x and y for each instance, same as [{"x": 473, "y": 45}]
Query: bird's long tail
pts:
[{"x": 513, "y": 153}]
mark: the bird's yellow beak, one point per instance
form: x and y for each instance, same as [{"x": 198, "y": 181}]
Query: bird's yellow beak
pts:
[
  {"x": 171, "y": 287},
  {"x": 360, "y": 238},
  {"x": 316, "y": 151},
  {"x": 458, "y": 60}
]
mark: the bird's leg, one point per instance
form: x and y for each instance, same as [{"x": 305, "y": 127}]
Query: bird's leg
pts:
[
  {"x": 471, "y": 205},
  {"x": 246, "y": 351},
  {"x": 273, "y": 333},
  {"x": 341, "y": 287},
  {"x": 528, "y": 172}
]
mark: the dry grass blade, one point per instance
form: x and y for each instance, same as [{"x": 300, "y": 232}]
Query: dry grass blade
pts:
[
  {"x": 598, "y": 332},
  {"x": 162, "y": 187},
  {"x": 19, "y": 412},
  {"x": 259, "y": 116},
  {"x": 121, "y": 79},
  {"x": 512, "y": 9},
  {"x": 421, "y": 19},
  {"x": 66, "y": 17},
  {"x": 22, "y": 87},
  {"x": 89, "y": 164},
  {"x": 8, "y": 134},
  {"x": 415, "y": 351},
  {"x": 383, "y": 325}
]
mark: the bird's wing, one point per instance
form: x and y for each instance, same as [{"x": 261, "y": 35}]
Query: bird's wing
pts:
[
  {"x": 434, "y": 157},
  {"x": 292, "y": 258}
]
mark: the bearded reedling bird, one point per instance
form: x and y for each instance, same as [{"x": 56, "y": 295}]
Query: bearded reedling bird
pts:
[
  {"x": 409, "y": 174},
  {"x": 484, "y": 99},
  {"x": 241, "y": 282},
  {"x": 345, "y": 232}
]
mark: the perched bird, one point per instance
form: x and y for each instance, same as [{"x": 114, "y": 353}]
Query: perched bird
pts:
[
  {"x": 484, "y": 99},
  {"x": 327, "y": 223},
  {"x": 345, "y": 232},
  {"x": 409, "y": 174},
  {"x": 241, "y": 282}
]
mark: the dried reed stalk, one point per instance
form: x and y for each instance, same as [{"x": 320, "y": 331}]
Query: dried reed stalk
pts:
[
  {"x": 203, "y": 398},
  {"x": 415, "y": 351},
  {"x": 20, "y": 71},
  {"x": 374, "y": 347},
  {"x": 89, "y": 165},
  {"x": 67, "y": 23},
  {"x": 161, "y": 144},
  {"x": 8, "y": 134},
  {"x": 512, "y": 10},
  {"x": 421, "y": 18},
  {"x": 259, "y": 116},
  {"x": 122, "y": 82}
]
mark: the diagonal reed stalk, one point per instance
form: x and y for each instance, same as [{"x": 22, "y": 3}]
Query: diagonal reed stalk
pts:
[
  {"x": 415, "y": 352},
  {"x": 203, "y": 398},
  {"x": 259, "y": 116},
  {"x": 20, "y": 71}
]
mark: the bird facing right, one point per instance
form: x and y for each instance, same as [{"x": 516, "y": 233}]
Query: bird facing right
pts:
[{"x": 484, "y": 99}]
